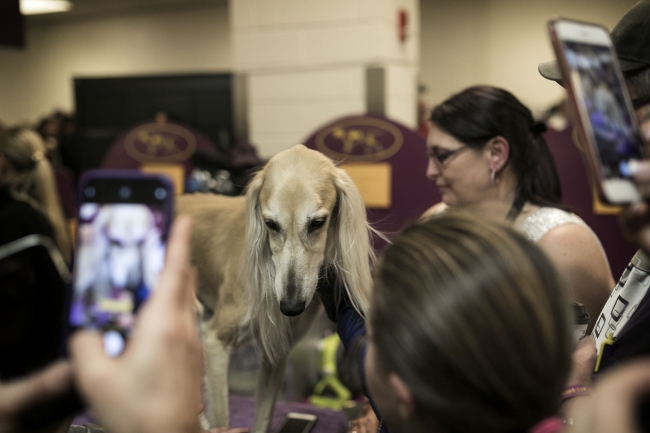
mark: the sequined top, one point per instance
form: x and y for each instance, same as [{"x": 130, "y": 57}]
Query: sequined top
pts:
[{"x": 547, "y": 218}]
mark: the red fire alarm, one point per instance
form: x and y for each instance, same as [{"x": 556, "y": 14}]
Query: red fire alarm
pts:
[{"x": 402, "y": 25}]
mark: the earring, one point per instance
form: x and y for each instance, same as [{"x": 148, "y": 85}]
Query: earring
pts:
[{"x": 493, "y": 177}]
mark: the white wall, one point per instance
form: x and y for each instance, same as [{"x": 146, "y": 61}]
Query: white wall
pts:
[
  {"x": 461, "y": 42},
  {"x": 306, "y": 62},
  {"x": 276, "y": 34},
  {"x": 499, "y": 42},
  {"x": 283, "y": 108},
  {"x": 38, "y": 79}
]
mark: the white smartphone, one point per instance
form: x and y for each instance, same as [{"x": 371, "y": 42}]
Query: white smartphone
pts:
[
  {"x": 297, "y": 423},
  {"x": 601, "y": 105}
]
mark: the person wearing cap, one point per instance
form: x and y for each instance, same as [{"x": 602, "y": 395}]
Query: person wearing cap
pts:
[
  {"x": 631, "y": 40},
  {"x": 613, "y": 405}
]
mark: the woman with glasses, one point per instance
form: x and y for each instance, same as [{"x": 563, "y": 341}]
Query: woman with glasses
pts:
[{"x": 487, "y": 155}]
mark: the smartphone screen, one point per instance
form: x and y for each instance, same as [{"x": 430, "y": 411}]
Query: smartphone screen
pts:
[
  {"x": 604, "y": 100},
  {"x": 600, "y": 99},
  {"x": 122, "y": 230}
]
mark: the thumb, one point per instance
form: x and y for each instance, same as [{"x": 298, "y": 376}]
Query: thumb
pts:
[{"x": 90, "y": 364}]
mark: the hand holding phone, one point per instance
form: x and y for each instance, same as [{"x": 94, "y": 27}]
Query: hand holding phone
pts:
[
  {"x": 155, "y": 385},
  {"x": 600, "y": 102},
  {"x": 124, "y": 220}
]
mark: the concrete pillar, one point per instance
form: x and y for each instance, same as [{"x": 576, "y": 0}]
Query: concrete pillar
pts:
[{"x": 306, "y": 62}]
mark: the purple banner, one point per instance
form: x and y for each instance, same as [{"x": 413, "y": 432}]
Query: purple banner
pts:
[
  {"x": 372, "y": 139},
  {"x": 156, "y": 143}
]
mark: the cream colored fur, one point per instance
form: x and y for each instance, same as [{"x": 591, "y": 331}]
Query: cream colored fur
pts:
[{"x": 248, "y": 270}]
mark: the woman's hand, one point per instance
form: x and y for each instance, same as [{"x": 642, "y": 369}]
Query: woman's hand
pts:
[
  {"x": 366, "y": 424},
  {"x": 154, "y": 386},
  {"x": 584, "y": 360},
  {"x": 613, "y": 405},
  {"x": 19, "y": 395},
  {"x": 582, "y": 369}
]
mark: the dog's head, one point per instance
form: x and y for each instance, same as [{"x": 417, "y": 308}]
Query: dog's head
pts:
[
  {"x": 125, "y": 230},
  {"x": 304, "y": 213}
]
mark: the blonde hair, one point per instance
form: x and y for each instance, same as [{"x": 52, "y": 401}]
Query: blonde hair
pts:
[
  {"x": 475, "y": 320},
  {"x": 32, "y": 179}
]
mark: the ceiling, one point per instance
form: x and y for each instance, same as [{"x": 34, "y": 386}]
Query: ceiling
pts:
[{"x": 83, "y": 9}]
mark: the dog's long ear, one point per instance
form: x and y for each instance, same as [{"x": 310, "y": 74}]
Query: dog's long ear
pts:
[
  {"x": 258, "y": 266},
  {"x": 259, "y": 274},
  {"x": 349, "y": 242}
]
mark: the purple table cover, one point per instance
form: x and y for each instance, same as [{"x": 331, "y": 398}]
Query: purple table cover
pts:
[{"x": 242, "y": 410}]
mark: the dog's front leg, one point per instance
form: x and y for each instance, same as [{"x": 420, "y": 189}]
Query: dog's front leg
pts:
[
  {"x": 217, "y": 356},
  {"x": 269, "y": 381}
]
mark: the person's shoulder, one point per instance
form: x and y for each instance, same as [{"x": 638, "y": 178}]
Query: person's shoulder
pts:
[
  {"x": 19, "y": 209},
  {"x": 19, "y": 218},
  {"x": 547, "y": 224},
  {"x": 434, "y": 210},
  {"x": 571, "y": 232},
  {"x": 573, "y": 242}
]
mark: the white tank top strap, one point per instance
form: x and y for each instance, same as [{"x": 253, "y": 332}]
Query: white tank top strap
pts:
[{"x": 547, "y": 218}]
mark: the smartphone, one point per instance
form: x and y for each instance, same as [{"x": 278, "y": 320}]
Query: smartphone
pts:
[
  {"x": 600, "y": 101},
  {"x": 34, "y": 283},
  {"x": 124, "y": 219},
  {"x": 297, "y": 423}
]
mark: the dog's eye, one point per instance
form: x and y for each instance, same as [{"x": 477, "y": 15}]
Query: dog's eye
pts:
[
  {"x": 272, "y": 225},
  {"x": 316, "y": 224}
]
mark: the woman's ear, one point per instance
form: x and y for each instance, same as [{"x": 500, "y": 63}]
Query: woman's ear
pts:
[
  {"x": 403, "y": 397},
  {"x": 498, "y": 150}
]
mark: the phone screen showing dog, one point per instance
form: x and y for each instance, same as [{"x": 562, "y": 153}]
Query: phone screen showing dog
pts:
[
  {"x": 595, "y": 78},
  {"x": 120, "y": 255}
]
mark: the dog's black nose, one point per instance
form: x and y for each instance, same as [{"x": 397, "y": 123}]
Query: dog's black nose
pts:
[{"x": 292, "y": 308}]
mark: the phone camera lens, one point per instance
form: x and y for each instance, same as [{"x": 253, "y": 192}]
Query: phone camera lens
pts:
[
  {"x": 113, "y": 343},
  {"x": 124, "y": 192},
  {"x": 160, "y": 193},
  {"x": 624, "y": 169},
  {"x": 90, "y": 192}
]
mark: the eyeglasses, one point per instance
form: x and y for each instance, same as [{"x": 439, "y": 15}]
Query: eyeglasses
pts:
[{"x": 440, "y": 156}]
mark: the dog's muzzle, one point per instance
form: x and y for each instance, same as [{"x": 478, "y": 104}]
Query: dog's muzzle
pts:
[{"x": 292, "y": 308}]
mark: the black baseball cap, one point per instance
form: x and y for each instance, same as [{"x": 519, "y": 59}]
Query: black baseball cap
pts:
[{"x": 631, "y": 38}]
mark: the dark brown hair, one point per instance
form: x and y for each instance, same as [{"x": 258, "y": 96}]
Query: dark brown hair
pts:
[
  {"x": 474, "y": 319},
  {"x": 638, "y": 83},
  {"x": 480, "y": 113}
]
